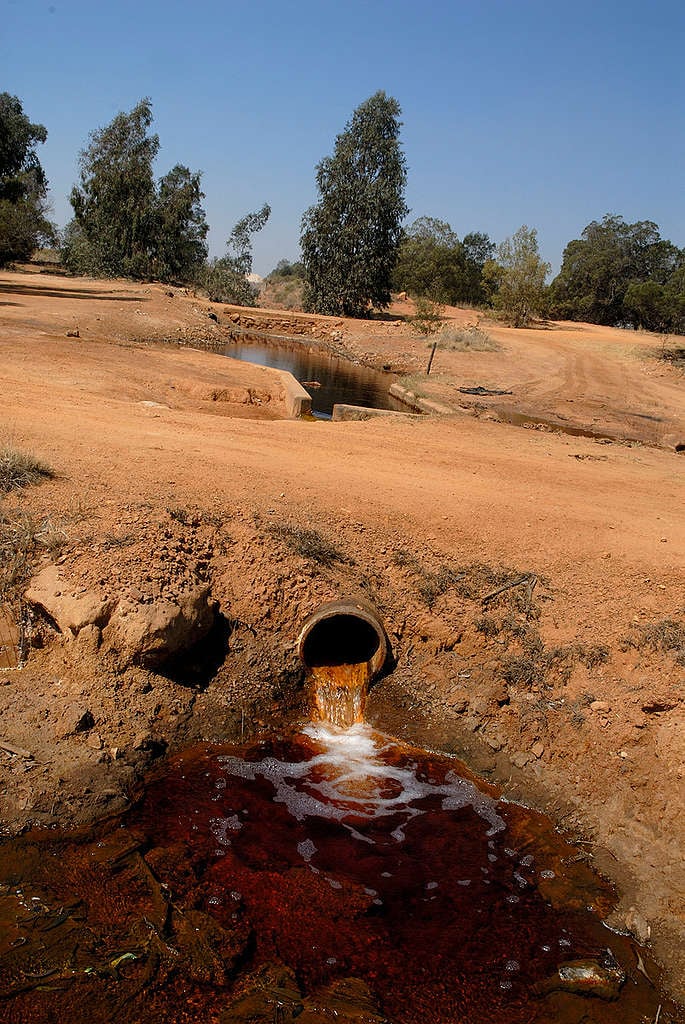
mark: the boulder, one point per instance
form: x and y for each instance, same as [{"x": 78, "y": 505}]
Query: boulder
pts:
[
  {"x": 602, "y": 979},
  {"x": 70, "y": 611},
  {"x": 73, "y": 718},
  {"x": 152, "y": 634}
]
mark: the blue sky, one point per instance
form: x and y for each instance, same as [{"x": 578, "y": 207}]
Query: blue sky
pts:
[{"x": 514, "y": 111}]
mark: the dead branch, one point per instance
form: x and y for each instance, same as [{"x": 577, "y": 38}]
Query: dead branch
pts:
[
  {"x": 17, "y": 751},
  {"x": 530, "y": 581}
]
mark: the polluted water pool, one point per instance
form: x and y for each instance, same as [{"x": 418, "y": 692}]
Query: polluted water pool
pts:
[
  {"x": 334, "y": 875},
  {"x": 328, "y": 379}
]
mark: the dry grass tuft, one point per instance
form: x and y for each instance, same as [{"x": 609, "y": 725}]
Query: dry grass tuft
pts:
[
  {"x": 308, "y": 544},
  {"x": 536, "y": 663},
  {"x": 19, "y": 469},
  {"x": 675, "y": 356},
  {"x": 470, "y": 338},
  {"x": 666, "y": 637},
  {"x": 429, "y": 584},
  {"x": 21, "y": 540}
]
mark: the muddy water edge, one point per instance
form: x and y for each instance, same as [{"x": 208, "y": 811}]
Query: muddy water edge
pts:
[{"x": 255, "y": 881}]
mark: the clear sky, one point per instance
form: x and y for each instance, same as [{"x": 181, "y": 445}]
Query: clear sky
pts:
[{"x": 514, "y": 111}]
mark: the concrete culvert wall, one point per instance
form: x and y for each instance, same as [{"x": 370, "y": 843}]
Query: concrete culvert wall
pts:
[{"x": 343, "y": 633}]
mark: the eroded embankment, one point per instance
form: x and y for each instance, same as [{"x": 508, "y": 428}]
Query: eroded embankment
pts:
[{"x": 181, "y": 625}]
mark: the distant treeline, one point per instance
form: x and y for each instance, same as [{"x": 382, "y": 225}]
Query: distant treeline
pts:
[
  {"x": 618, "y": 274},
  {"x": 354, "y": 245}
]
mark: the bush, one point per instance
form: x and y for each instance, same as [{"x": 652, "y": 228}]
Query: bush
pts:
[{"x": 223, "y": 283}]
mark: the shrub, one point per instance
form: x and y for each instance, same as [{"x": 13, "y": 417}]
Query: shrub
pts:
[{"x": 223, "y": 283}]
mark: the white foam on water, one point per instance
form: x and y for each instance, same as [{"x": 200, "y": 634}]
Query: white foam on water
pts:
[
  {"x": 348, "y": 780},
  {"x": 306, "y": 849},
  {"x": 221, "y": 827},
  {"x": 236, "y": 766}
]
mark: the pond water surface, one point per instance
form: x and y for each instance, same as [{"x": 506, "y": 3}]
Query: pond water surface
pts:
[{"x": 339, "y": 380}]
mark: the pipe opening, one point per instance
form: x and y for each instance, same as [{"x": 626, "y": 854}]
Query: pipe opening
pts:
[
  {"x": 341, "y": 639},
  {"x": 343, "y": 646}
]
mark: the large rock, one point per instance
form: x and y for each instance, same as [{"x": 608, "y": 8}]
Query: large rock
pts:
[
  {"x": 69, "y": 610},
  {"x": 152, "y": 634},
  {"x": 602, "y": 979},
  {"x": 346, "y": 1001},
  {"x": 272, "y": 994}
]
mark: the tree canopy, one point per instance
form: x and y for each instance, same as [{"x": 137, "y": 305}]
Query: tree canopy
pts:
[
  {"x": 124, "y": 222},
  {"x": 621, "y": 274},
  {"x": 226, "y": 279},
  {"x": 521, "y": 293},
  {"x": 433, "y": 263},
  {"x": 181, "y": 227},
  {"x": 430, "y": 262},
  {"x": 23, "y": 185},
  {"x": 351, "y": 237}
]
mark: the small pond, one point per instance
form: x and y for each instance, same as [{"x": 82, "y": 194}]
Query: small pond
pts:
[{"x": 339, "y": 380}]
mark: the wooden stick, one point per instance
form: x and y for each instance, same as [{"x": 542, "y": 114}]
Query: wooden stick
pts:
[
  {"x": 430, "y": 361},
  {"x": 531, "y": 580},
  {"x": 11, "y": 749}
]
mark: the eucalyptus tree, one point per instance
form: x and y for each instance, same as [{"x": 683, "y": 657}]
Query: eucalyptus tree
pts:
[
  {"x": 125, "y": 222},
  {"x": 227, "y": 279},
  {"x": 609, "y": 262},
  {"x": 522, "y": 293},
  {"x": 433, "y": 262},
  {"x": 351, "y": 236},
  {"x": 23, "y": 185}
]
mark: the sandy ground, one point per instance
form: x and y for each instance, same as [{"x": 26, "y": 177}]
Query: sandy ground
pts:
[{"x": 175, "y": 467}]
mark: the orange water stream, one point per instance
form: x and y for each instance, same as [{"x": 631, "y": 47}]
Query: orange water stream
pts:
[{"x": 340, "y": 692}]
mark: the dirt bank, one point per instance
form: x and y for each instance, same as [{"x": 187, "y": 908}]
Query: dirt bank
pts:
[{"x": 567, "y": 687}]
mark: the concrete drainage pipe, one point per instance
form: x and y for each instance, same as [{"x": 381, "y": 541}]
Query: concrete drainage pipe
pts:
[{"x": 344, "y": 633}]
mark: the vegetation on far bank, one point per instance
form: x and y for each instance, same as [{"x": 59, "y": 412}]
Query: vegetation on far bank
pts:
[{"x": 355, "y": 246}]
